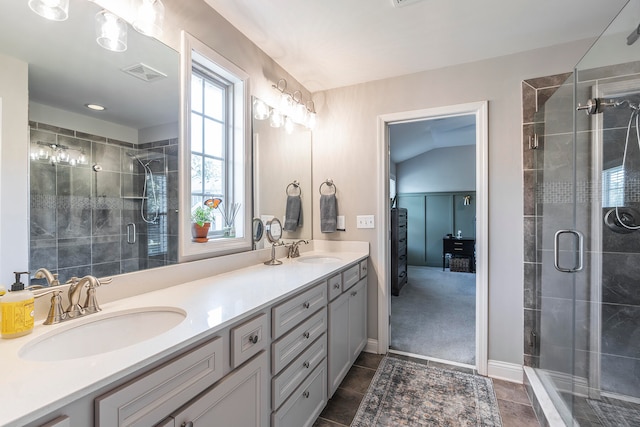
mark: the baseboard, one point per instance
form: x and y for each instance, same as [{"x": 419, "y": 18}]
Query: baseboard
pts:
[
  {"x": 511, "y": 372},
  {"x": 372, "y": 346}
]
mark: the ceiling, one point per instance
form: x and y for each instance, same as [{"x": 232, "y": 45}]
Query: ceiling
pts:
[
  {"x": 334, "y": 43},
  {"x": 411, "y": 139}
]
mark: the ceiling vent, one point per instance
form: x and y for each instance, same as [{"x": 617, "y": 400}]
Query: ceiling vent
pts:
[
  {"x": 144, "y": 72},
  {"x": 402, "y": 3}
]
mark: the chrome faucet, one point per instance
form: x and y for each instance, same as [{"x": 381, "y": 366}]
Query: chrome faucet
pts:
[{"x": 294, "y": 250}]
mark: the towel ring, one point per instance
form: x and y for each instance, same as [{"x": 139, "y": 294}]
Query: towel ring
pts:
[
  {"x": 329, "y": 183},
  {"x": 294, "y": 184}
]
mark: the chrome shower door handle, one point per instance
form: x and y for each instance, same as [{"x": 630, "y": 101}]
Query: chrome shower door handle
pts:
[
  {"x": 556, "y": 251},
  {"x": 131, "y": 233}
]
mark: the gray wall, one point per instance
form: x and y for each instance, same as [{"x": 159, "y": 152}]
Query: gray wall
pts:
[
  {"x": 442, "y": 169},
  {"x": 345, "y": 149}
]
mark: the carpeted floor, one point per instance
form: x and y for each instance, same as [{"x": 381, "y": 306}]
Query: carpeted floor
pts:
[
  {"x": 405, "y": 393},
  {"x": 435, "y": 315}
]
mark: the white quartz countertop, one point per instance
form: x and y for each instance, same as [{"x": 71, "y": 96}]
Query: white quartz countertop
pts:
[{"x": 31, "y": 389}]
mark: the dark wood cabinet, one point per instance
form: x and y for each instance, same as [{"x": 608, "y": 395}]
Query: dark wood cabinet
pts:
[
  {"x": 398, "y": 249},
  {"x": 462, "y": 247}
]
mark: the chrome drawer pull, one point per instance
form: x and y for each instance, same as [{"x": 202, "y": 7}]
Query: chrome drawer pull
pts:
[
  {"x": 253, "y": 339},
  {"x": 306, "y": 394},
  {"x": 354, "y": 293},
  {"x": 306, "y": 305},
  {"x": 306, "y": 335},
  {"x": 336, "y": 286},
  {"x": 306, "y": 365}
]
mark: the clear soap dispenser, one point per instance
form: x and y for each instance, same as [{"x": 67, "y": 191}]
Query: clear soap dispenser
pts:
[{"x": 17, "y": 310}]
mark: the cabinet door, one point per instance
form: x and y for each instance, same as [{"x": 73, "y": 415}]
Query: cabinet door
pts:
[
  {"x": 339, "y": 351},
  {"x": 357, "y": 319},
  {"x": 239, "y": 399}
]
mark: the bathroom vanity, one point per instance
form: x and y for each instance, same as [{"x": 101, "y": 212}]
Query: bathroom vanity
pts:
[{"x": 257, "y": 346}]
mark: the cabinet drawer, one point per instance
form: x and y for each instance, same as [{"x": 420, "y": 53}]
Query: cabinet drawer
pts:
[
  {"x": 151, "y": 397},
  {"x": 248, "y": 339},
  {"x": 363, "y": 268},
  {"x": 350, "y": 277},
  {"x": 290, "y": 313},
  {"x": 335, "y": 286},
  {"x": 291, "y": 345},
  {"x": 61, "y": 421},
  {"x": 306, "y": 403},
  {"x": 289, "y": 379}
]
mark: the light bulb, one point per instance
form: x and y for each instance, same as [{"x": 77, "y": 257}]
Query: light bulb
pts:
[
  {"x": 111, "y": 31},
  {"x": 288, "y": 125},
  {"x": 54, "y": 10},
  {"x": 260, "y": 110},
  {"x": 275, "y": 119},
  {"x": 149, "y": 17}
]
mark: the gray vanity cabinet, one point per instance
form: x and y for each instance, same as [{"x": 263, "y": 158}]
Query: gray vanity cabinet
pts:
[
  {"x": 240, "y": 399},
  {"x": 347, "y": 329}
]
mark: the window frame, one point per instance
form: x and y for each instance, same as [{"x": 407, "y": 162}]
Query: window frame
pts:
[{"x": 238, "y": 154}]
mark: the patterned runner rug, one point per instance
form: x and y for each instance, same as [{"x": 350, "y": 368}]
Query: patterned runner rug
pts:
[{"x": 405, "y": 393}]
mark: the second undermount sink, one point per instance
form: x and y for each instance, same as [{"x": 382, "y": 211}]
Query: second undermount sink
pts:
[
  {"x": 89, "y": 336},
  {"x": 318, "y": 259}
]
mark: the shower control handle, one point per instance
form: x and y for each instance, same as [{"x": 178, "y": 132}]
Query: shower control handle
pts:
[{"x": 556, "y": 251}]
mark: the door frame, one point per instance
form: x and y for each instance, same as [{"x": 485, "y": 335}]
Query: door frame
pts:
[{"x": 480, "y": 110}]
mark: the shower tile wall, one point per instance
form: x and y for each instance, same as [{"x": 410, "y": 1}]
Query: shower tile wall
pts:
[
  {"x": 620, "y": 264},
  {"x": 79, "y": 217}
]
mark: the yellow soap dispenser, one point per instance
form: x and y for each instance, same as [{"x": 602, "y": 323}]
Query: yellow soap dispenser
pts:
[{"x": 17, "y": 310}]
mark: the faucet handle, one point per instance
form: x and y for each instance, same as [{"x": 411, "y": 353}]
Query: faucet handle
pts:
[
  {"x": 56, "y": 313},
  {"x": 91, "y": 302}
]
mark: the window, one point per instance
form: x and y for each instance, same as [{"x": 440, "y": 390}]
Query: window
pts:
[
  {"x": 613, "y": 187},
  {"x": 211, "y": 162},
  {"x": 215, "y": 150}
]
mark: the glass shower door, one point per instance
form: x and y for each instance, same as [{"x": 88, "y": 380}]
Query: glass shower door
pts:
[{"x": 588, "y": 199}]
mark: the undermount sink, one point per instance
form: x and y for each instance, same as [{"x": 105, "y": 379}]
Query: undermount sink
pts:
[
  {"x": 318, "y": 259},
  {"x": 88, "y": 336}
]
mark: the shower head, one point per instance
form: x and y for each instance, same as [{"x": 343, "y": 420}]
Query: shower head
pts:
[{"x": 633, "y": 37}]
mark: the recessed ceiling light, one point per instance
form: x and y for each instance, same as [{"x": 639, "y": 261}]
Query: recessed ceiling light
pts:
[{"x": 95, "y": 107}]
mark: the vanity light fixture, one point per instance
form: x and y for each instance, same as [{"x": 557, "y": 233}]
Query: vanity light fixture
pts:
[
  {"x": 291, "y": 106},
  {"x": 111, "y": 31},
  {"x": 148, "y": 17},
  {"x": 288, "y": 125},
  {"x": 58, "y": 154},
  {"x": 54, "y": 10}
]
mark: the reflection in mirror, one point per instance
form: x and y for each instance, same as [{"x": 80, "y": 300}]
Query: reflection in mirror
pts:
[
  {"x": 103, "y": 183},
  {"x": 282, "y": 173},
  {"x": 258, "y": 231}
]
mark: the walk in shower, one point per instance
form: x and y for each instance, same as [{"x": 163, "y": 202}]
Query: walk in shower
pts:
[{"x": 583, "y": 337}]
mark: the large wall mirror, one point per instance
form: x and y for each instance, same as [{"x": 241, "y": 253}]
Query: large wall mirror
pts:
[
  {"x": 103, "y": 184},
  {"x": 282, "y": 174}
]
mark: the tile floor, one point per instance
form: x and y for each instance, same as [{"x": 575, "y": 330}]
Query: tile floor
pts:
[{"x": 514, "y": 405}]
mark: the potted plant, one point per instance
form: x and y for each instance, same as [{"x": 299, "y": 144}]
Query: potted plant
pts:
[{"x": 201, "y": 218}]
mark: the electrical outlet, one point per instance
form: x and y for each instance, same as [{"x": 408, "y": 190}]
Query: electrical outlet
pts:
[
  {"x": 340, "y": 225},
  {"x": 365, "y": 221}
]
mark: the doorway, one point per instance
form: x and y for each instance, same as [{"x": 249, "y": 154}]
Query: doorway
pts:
[{"x": 477, "y": 232}]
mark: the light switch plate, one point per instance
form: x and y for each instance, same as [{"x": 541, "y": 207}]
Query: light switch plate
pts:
[
  {"x": 365, "y": 221},
  {"x": 340, "y": 225}
]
